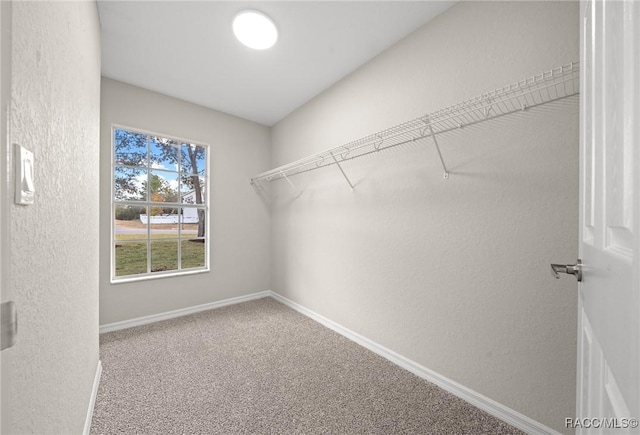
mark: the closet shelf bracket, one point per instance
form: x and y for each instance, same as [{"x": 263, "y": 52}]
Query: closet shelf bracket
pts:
[
  {"x": 435, "y": 141},
  {"x": 341, "y": 170},
  {"x": 256, "y": 185},
  {"x": 295, "y": 189}
]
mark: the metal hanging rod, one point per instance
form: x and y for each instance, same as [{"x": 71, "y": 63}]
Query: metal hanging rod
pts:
[{"x": 534, "y": 91}]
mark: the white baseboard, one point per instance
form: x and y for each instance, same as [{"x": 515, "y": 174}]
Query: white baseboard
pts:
[
  {"x": 488, "y": 405},
  {"x": 92, "y": 400},
  {"x": 109, "y": 327}
]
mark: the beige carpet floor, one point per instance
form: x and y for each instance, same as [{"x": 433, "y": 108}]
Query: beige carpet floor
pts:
[{"x": 261, "y": 367}]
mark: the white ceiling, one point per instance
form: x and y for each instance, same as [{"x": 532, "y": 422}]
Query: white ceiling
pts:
[{"x": 187, "y": 49}]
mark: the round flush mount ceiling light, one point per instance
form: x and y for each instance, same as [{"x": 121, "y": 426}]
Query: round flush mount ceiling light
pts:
[{"x": 255, "y": 30}]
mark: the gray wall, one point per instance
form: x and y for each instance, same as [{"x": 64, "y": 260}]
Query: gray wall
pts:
[
  {"x": 451, "y": 274},
  {"x": 239, "y": 220},
  {"x": 54, "y": 243}
]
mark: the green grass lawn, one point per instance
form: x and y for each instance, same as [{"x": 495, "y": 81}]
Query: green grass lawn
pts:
[{"x": 131, "y": 257}]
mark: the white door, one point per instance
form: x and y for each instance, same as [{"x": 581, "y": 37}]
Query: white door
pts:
[{"x": 609, "y": 295}]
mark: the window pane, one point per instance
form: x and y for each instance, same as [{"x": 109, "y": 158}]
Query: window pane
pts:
[
  {"x": 194, "y": 158},
  {"x": 131, "y": 258},
  {"x": 164, "y": 255},
  {"x": 189, "y": 192},
  {"x": 189, "y": 226},
  {"x": 194, "y": 220},
  {"x": 130, "y": 148},
  {"x": 130, "y": 184},
  {"x": 164, "y": 226},
  {"x": 163, "y": 186},
  {"x": 164, "y": 153},
  {"x": 130, "y": 222},
  {"x": 161, "y": 215},
  {"x": 193, "y": 253}
]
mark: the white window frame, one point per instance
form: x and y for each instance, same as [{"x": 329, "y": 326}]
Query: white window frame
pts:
[{"x": 148, "y": 203}]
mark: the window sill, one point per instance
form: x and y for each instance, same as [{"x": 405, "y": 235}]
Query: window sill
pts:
[{"x": 158, "y": 275}]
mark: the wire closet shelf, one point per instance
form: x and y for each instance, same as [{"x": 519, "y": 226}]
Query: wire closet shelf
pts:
[{"x": 533, "y": 91}]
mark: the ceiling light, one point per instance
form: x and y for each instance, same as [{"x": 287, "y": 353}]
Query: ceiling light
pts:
[{"x": 255, "y": 30}]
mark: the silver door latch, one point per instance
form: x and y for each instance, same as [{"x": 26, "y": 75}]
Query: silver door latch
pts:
[
  {"x": 9, "y": 325},
  {"x": 569, "y": 269}
]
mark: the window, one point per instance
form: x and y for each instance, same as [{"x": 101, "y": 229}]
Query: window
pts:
[{"x": 159, "y": 206}]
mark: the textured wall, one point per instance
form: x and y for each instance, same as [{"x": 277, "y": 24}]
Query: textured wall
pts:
[
  {"x": 54, "y": 243},
  {"x": 240, "y": 243},
  {"x": 451, "y": 274},
  {"x": 5, "y": 264}
]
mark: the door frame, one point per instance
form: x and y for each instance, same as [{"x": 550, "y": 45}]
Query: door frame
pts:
[{"x": 5, "y": 197}]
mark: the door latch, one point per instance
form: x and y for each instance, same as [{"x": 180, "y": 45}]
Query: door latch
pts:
[{"x": 569, "y": 269}]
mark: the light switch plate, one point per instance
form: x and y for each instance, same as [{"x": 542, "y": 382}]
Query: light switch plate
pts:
[{"x": 25, "y": 190}]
